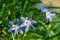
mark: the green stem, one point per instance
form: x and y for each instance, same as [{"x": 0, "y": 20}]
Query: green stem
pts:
[
  {"x": 48, "y": 28},
  {"x": 24, "y": 7},
  {"x": 2, "y": 10},
  {"x": 45, "y": 26},
  {"x": 13, "y": 36},
  {"x": 52, "y": 36},
  {"x": 23, "y": 36}
]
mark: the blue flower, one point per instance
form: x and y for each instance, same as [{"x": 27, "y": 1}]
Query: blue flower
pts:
[
  {"x": 49, "y": 13},
  {"x": 28, "y": 23},
  {"x": 16, "y": 27},
  {"x": 43, "y": 9},
  {"x": 49, "y": 16}
]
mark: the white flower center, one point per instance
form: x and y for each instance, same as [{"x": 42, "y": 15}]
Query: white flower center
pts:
[
  {"x": 15, "y": 27},
  {"x": 27, "y": 22},
  {"x": 48, "y": 14}
]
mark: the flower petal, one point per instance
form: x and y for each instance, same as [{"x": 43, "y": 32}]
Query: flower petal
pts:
[
  {"x": 33, "y": 21},
  {"x": 10, "y": 22},
  {"x": 22, "y": 25},
  {"x": 50, "y": 19},
  {"x": 43, "y": 9},
  {"x": 32, "y": 26},
  {"x": 52, "y": 14},
  {"x": 17, "y": 21},
  {"x": 41, "y": 5},
  {"x": 20, "y": 31},
  {"x": 23, "y": 18},
  {"x": 10, "y": 30},
  {"x": 26, "y": 29},
  {"x": 15, "y": 31},
  {"x": 30, "y": 18}
]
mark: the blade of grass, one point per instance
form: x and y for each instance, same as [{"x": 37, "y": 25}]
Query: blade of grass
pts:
[
  {"x": 24, "y": 6},
  {"x": 13, "y": 36}
]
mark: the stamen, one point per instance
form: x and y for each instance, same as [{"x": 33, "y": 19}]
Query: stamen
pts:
[
  {"x": 15, "y": 27},
  {"x": 28, "y": 22},
  {"x": 48, "y": 14}
]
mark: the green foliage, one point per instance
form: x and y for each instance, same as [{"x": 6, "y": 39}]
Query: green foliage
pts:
[{"x": 10, "y": 10}]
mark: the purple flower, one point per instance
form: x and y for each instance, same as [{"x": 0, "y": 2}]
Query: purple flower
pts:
[
  {"x": 16, "y": 27},
  {"x": 43, "y": 9},
  {"x": 49, "y": 13},
  {"x": 49, "y": 16},
  {"x": 28, "y": 23}
]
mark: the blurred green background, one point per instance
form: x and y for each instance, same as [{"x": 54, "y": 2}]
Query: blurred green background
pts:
[{"x": 13, "y": 9}]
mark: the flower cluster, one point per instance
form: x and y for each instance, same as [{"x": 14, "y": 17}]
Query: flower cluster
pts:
[
  {"x": 26, "y": 23},
  {"x": 49, "y": 13}
]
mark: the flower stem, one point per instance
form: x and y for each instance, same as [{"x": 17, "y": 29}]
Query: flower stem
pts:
[
  {"x": 13, "y": 36},
  {"x": 24, "y": 7},
  {"x": 48, "y": 28},
  {"x": 23, "y": 36},
  {"x": 45, "y": 27}
]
